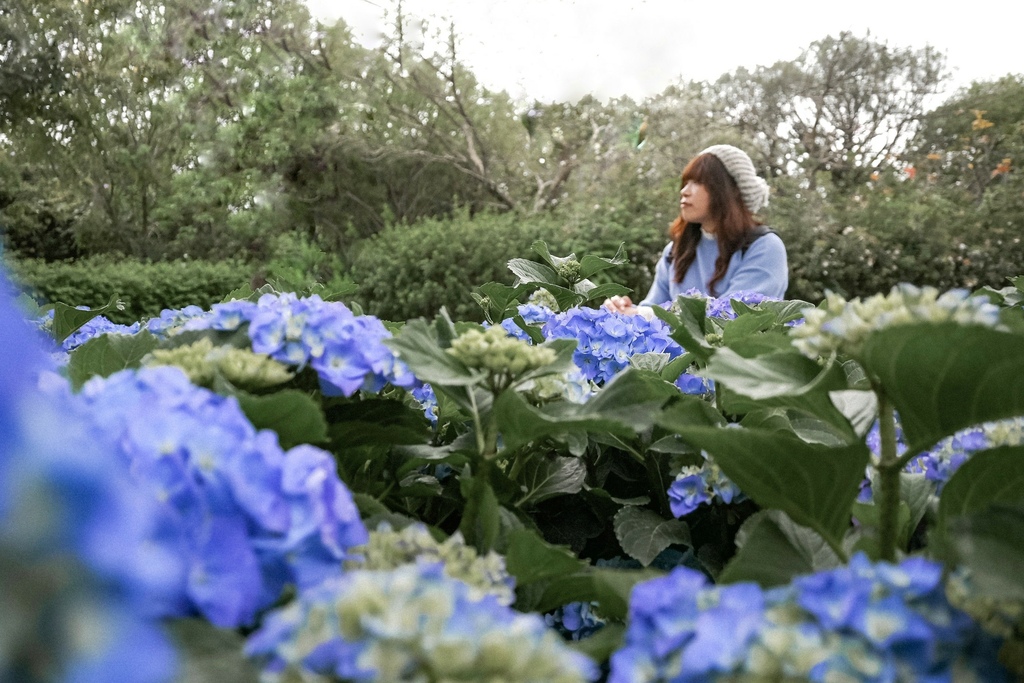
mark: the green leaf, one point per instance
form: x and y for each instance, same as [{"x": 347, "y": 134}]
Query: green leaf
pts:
[
  {"x": 500, "y": 301},
  {"x": 207, "y": 654},
  {"x": 859, "y": 407},
  {"x": 689, "y": 411},
  {"x": 565, "y": 298},
  {"x": 376, "y": 421},
  {"x": 67, "y": 319},
  {"x": 746, "y": 325},
  {"x": 481, "y": 521},
  {"x": 610, "y": 588},
  {"x": 774, "y": 375},
  {"x": 944, "y": 377},
  {"x": 591, "y": 265},
  {"x": 988, "y": 477},
  {"x": 813, "y": 484},
  {"x": 643, "y": 533},
  {"x": 603, "y": 291},
  {"x": 773, "y": 549},
  {"x": 419, "y": 349},
  {"x": 601, "y": 645},
  {"x": 990, "y": 544},
  {"x": 531, "y": 271},
  {"x": 530, "y": 558},
  {"x": 628, "y": 403},
  {"x": 545, "y": 477},
  {"x": 103, "y": 356},
  {"x": 686, "y": 331},
  {"x": 532, "y": 331},
  {"x": 293, "y": 414}
]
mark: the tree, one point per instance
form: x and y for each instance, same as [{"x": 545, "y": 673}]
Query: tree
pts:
[{"x": 845, "y": 106}]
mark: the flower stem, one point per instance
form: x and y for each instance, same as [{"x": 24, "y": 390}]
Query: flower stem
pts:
[{"x": 889, "y": 480}]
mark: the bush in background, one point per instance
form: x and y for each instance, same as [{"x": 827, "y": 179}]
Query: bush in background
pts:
[{"x": 145, "y": 288}]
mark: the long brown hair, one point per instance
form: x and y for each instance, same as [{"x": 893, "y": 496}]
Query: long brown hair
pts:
[{"x": 726, "y": 209}]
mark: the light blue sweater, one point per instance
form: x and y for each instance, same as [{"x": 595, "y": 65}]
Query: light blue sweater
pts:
[{"x": 764, "y": 268}]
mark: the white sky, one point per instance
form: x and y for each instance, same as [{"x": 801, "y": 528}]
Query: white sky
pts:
[{"x": 563, "y": 49}]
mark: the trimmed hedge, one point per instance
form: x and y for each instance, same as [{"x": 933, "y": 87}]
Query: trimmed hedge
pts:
[{"x": 145, "y": 288}]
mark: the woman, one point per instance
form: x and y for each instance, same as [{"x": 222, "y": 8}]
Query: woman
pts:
[{"x": 718, "y": 247}]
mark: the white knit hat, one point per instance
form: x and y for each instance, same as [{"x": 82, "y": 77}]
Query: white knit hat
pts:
[{"x": 752, "y": 186}]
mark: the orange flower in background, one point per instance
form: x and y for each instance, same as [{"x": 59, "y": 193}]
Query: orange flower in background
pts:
[
  {"x": 874, "y": 175},
  {"x": 934, "y": 156},
  {"x": 980, "y": 122},
  {"x": 911, "y": 172},
  {"x": 1003, "y": 167}
]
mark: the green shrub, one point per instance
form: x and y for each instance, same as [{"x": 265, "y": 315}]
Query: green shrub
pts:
[
  {"x": 409, "y": 271},
  {"x": 145, "y": 288}
]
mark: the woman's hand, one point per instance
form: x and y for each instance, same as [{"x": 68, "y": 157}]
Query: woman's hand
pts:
[{"x": 620, "y": 304}]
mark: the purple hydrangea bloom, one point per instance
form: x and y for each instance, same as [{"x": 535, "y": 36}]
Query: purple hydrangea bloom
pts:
[
  {"x": 575, "y": 621},
  {"x": 96, "y": 327}
]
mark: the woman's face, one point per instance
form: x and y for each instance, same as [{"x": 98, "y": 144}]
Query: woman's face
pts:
[{"x": 694, "y": 203}]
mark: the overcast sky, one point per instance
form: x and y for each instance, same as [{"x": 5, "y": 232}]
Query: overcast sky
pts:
[{"x": 563, "y": 49}]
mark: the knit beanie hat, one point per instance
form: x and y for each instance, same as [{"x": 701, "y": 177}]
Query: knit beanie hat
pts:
[{"x": 753, "y": 187}]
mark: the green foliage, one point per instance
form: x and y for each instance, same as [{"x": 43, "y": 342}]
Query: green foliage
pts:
[
  {"x": 409, "y": 271},
  {"x": 145, "y": 288}
]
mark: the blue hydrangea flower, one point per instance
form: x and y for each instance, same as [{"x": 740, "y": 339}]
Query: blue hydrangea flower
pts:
[
  {"x": 694, "y": 385},
  {"x": 76, "y": 578},
  {"x": 246, "y": 517},
  {"x": 412, "y": 623},
  {"x": 697, "y": 485},
  {"x": 871, "y": 622},
  {"x": 606, "y": 340},
  {"x": 347, "y": 351},
  {"x": 96, "y": 327},
  {"x": 532, "y": 314},
  {"x": 172, "y": 320},
  {"x": 575, "y": 621}
]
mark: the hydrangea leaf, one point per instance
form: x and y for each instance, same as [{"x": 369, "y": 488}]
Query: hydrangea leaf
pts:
[
  {"x": 591, "y": 265},
  {"x": 210, "y": 654},
  {"x": 944, "y": 377},
  {"x": 746, "y": 324},
  {"x": 773, "y": 549},
  {"x": 774, "y": 375},
  {"x": 293, "y": 414},
  {"x": 610, "y": 588},
  {"x": 544, "y": 477},
  {"x": 815, "y": 485},
  {"x": 376, "y": 421},
  {"x": 990, "y": 545},
  {"x": 687, "y": 330},
  {"x": 531, "y": 271},
  {"x": 481, "y": 522},
  {"x": 418, "y": 348},
  {"x": 530, "y": 558},
  {"x": 601, "y": 645},
  {"x": 67, "y": 319},
  {"x": 602, "y": 291},
  {"x": 988, "y": 477},
  {"x": 626, "y": 404},
  {"x": 499, "y": 301},
  {"x": 107, "y": 354},
  {"x": 643, "y": 533}
]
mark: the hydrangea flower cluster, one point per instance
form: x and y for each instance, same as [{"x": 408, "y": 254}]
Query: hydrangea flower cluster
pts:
[
  {"x": 532, "y": 314},
  {"x": 500, "y": 354},
  {"x": 841, "y": 325},
  {"x": 171, "y": 320},
  {"x": 862, "y": 622},
  {"x": 606, "y": 340},
  {"x": 389, "y": 549},
  {"x": 76, "y": 578},
  {"x": 696, "y": 485},
  {"x": 575, "y": 621},
  {"x": 721, "y": 307},
  {"x": 694, "y": 384},
  {"x": 96, "y": 327},
  {"x": 246, "y": 517},
  {"x": 412, "y": 623},
  {"x": 347, "y": 351},
  {"x": 946, "y": 457},
  {"x": 425, "y": 396},
  {"x": 202, "y": 362},
  {"x": 942, "y": 461}
]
